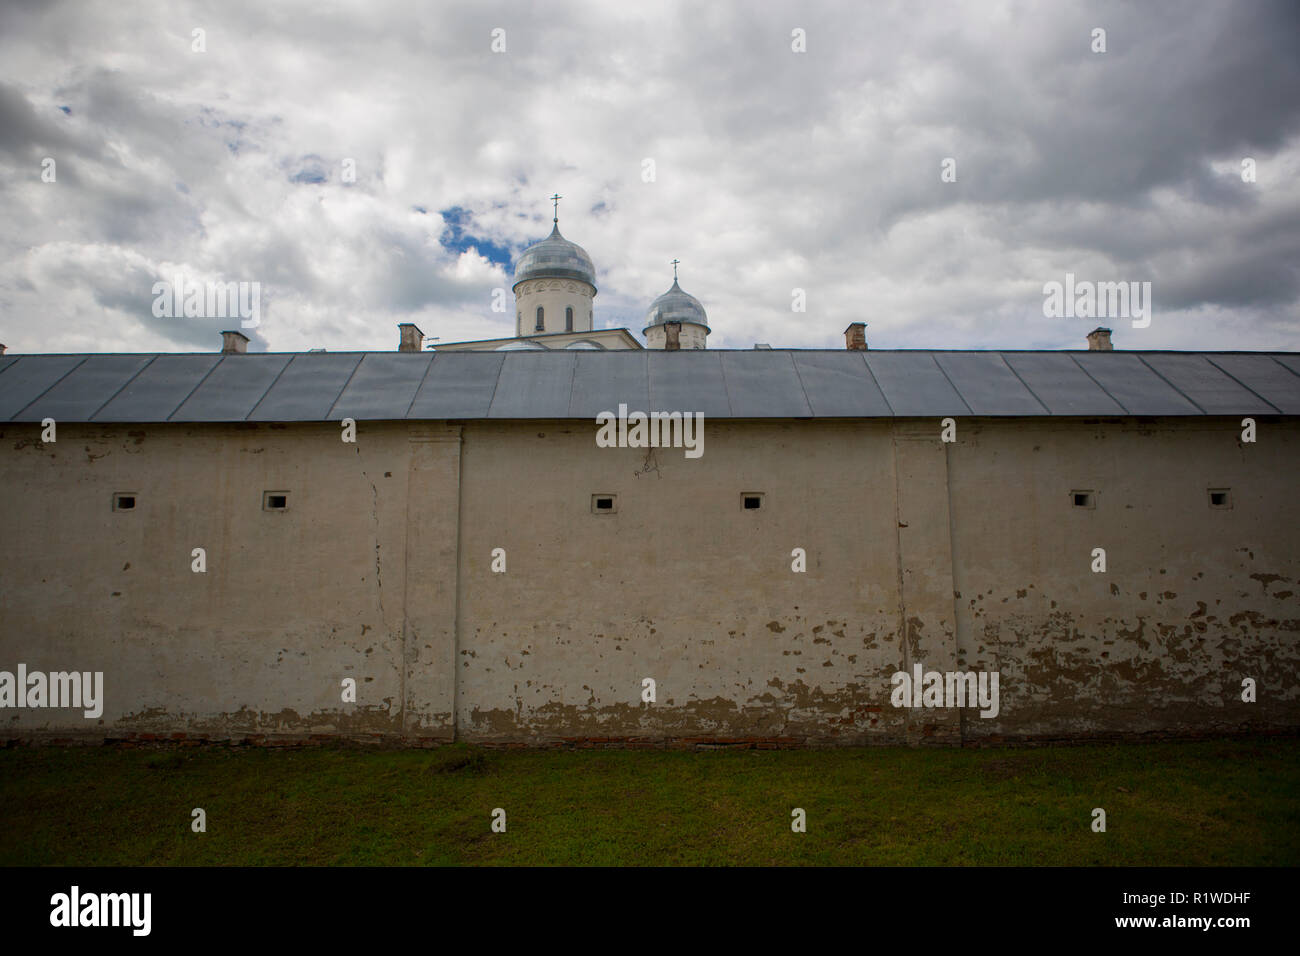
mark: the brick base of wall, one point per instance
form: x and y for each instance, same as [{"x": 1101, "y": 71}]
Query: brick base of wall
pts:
[{"x": 399, "y": 742}]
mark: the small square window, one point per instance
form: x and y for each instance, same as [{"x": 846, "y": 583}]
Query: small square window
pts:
[
  {"x": 1220, "y": 498},
  {"x": 751, "y": 501},
  {"x": 275, "y": 501},
  {"x": 1083, "y": 499},
  {"x": 604, "y": 504},
  {"x": 124, "y": 501}
]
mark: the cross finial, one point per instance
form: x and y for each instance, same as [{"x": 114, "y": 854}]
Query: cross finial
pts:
[
  {"x": 556, "y": 201},
  {"x": 675, "y": 261}
]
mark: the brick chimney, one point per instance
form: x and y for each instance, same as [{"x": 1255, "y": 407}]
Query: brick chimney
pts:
[
  {"x": 673, "y": 333},
  {"x": 2, "y": 349},
  {"x": 1099, "y": 340},
  {"x": 855, "y": 337},
  {"x": 234, "y": 343},
  {"x": 412, "y": 338}
]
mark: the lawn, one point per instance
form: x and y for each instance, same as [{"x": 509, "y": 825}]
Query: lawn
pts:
[{"x": 1228, "y": 802}]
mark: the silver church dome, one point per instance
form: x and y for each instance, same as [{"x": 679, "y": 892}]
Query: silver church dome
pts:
[
  {"x": 676, "y": 306},
  {"x": 555, "y": 258}
]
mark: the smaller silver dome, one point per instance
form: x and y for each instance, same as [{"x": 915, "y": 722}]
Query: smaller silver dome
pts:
[
  {"x": 555, "y": 258},
  {"x": 584, "y": 344},
  {"x": 520, "y": 347},
  {"x": 676, "y": 306}
]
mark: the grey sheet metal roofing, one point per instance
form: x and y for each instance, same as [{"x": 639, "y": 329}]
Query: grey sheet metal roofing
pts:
[
  {"x": 676, "y": 305},
  {"x": 555, "y": 257},
  {"x": 760, "y": 383}
]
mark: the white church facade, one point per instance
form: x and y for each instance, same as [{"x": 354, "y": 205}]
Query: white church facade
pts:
[{"x": 555, "y": 292}]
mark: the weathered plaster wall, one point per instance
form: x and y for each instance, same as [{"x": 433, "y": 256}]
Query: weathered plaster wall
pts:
[
  {"x": 1193, "y": 600},
  {"x": 291, "y": 602},
  {"x": 924, "y": 567},
  {"x": 681, "y": 585},
  {"x": 959, "y": 556},
  {"x": 691, "y": 336}
]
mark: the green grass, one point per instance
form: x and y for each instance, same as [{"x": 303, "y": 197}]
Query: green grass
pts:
[{"x": 1225, "y": 803}]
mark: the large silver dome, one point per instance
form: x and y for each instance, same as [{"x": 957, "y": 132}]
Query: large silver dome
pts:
[
  {"x": 676, "y": 306},
  {"x": 555, "y": 258}
]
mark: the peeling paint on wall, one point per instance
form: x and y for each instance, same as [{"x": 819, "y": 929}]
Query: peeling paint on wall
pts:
[{"x": 961, "y": 557}]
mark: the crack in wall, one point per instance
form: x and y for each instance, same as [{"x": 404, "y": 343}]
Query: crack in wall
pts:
[{"x": 374, "y": 513}]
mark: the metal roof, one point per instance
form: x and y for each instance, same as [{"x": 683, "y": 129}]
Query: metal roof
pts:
[
  {"x": 555, "y": 257},
  {"x": 758, "y": 383},
  {"x": 675, "y": 305}
]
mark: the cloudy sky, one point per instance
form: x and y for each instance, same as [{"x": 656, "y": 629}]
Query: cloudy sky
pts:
[{"x": 774, "y": 169}]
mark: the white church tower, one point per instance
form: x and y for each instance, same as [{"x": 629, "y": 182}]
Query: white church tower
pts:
[
  {"x": 555, "y": 285},
  {"x": 555, "y": 289},
  {"x": 676, "y": 320}
]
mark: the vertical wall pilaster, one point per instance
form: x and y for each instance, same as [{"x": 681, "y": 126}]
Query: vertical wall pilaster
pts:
[
  {"x": 430, "y": 589},
  {"x": 928, "y": 612}
]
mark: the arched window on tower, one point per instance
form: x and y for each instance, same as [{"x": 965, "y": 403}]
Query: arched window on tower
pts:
[
  {"x": 541, "y": 323},
  {"x": 568, "y": 318}
]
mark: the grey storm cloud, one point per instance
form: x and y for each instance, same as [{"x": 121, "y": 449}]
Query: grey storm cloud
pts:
[
  {"x": 24, "y": 133},
  {"x": 311, "y": 150}
]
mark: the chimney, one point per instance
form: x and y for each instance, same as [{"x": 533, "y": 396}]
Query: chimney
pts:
[
  {"x": 412, "y": 338},
  {"x": 673, "y": 331},
  {"x": 2, "y": 349},
  {"x": 1099, "y": 340},
  {"x": 855, "y": 337},
  {"x": 234, "y": 343}
]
